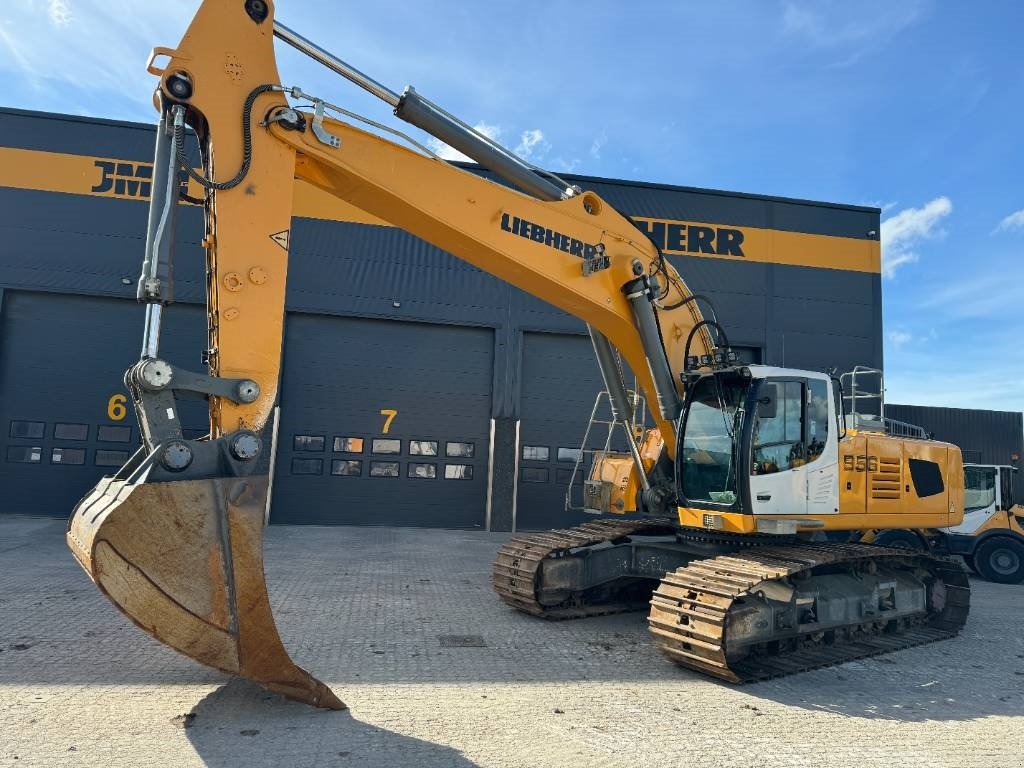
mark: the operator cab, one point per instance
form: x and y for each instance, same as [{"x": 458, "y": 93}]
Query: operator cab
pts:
[
  {"x": 760, "y": 440},
  {"x": 988, "y": 488}
]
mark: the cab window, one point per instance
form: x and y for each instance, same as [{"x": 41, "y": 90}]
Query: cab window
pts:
[
  {"x": 979, "y": 487},
  {"x": 817, "y": 418},
  {"x": 778, "y": 428}
]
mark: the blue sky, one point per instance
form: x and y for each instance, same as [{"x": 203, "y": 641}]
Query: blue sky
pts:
[{"x": 914, "y": 106}]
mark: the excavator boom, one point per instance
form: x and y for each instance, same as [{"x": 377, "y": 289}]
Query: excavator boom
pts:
[{"x": 174, "y": 539}]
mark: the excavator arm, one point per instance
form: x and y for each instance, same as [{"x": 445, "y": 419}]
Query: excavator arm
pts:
[{"x": 175, "y": 537}]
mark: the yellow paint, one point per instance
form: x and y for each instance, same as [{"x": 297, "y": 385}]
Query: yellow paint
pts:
[
  {"x": 83, "y": 175},
  {"x": 768, "y": 245},
  {"x": 242, "y": 222},
  {"x": 620, "y": 470},
  {"x": 389, "y": 416},
  {"x": 116, "y": 407}
]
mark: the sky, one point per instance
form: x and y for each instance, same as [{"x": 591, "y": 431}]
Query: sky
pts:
[{"x": 913, "y": 106}]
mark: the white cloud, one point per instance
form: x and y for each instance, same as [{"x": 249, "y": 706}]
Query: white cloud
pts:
[
  {"x": 1013, "y": 222},
  {"x": 885, "y": 206},
  {"x": 903, "y": 232},
  {"x": 598, "y": 144},
  {"x": 73, "y": 50},
  {"x": 442, "y": 150},
  {"x": 59, "y": 12},
  {"x": 849, "y": 30},
  {"x": 565, "y": 165},
  {"x": 983, "y": 295},
  {"x": 899, "y": 338},
  {"x": 800, "y": 20},
  {"x": 532, "y": 144}
]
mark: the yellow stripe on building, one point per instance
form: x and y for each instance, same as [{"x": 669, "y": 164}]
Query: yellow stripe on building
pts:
[{"x": 131, "y": 180}]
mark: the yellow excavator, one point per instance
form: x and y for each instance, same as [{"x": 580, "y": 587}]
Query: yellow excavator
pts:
[{"x": 719, "y": 506}]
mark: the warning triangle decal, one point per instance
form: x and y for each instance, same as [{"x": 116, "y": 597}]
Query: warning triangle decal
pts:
[{"x": 281, "y": 238}]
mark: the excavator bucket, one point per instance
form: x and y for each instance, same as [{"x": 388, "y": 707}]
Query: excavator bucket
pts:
[{"x": 184, "y": 561}]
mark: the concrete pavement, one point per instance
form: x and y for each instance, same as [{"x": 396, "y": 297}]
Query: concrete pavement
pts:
[{"x": 365, "y": 609}]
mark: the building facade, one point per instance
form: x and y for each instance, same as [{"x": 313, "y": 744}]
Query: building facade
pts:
[
  {"x": 416, "y": 390},
  {"x": 984, "y": 437}
]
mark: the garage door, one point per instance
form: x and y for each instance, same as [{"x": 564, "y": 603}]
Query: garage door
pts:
[
  {"x": 383, "y": 423},
  {"x": 560, "y": 381},
  {"x": 64, "y": 413}
]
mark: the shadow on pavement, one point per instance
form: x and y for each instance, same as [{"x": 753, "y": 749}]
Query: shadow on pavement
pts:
[
  {"x": 241, "y": 724},
  {"x": 952, "y": 684}
]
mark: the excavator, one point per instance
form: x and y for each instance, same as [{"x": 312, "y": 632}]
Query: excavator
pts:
[{"x": 719, "y": 507}]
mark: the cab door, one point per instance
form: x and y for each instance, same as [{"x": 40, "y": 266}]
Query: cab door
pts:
[
  {"x": 778, "y": 475},
  {"x": 821, "y": 437},
  {"x": 794, "y": 466}
]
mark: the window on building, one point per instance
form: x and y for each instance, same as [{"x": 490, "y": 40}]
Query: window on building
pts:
[
  {"x": 308, "y": 443},
  {"x": 536, "y": 453},
  {"x": 456, "y": 450},
  {"x": 385, "y": 469},
  {"x": 30, "y": 430},
  {"x": 347, "y": 467},
  {"x": 423, "y": 448},
  {"x": 569, "y": 454},
  {"x": 458, "y": 472},
  {"x": 111, "y": 434},
  {"x": 67, "y": 456},
  {"x": 563, "y": 476},
  {"x": 105, "y": 458},
  {"x": 423, "y": 471},
  {"x": 70, "y": 431},
  {"x": 386, "y": 445},
  {"x": 307, "y": 466},
  {"x": 533, "y": 474},
  {"x": 348, "y": 445},
  {"x": 24, "y": 454}
]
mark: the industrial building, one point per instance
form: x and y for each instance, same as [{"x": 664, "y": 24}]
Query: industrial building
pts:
[{"x": 416, "y": 389}]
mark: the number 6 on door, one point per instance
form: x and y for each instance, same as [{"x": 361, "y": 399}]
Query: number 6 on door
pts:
[{"x": 115, "y": 407}]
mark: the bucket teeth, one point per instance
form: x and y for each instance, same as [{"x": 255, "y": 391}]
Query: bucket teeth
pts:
[{"x": 184, "y": 561}]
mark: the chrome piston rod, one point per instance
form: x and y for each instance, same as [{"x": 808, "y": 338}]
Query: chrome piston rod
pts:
[
  {"x": 335, "y": 64},
  {"x": 156, "y": 283}
]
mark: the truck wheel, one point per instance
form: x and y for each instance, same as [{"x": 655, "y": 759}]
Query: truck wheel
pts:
[
  {"x": 1000, "y": 559},
  {"x": 899, "y": 540}
]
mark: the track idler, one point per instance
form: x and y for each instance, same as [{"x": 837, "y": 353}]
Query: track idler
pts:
[{"x": 184, "y": 561}]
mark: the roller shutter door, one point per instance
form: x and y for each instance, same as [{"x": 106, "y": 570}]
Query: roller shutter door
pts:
[
  {"x": 560, "y": 381},
  {"x": 64, "y": 414},
  {"x": 383, "y": 423}
]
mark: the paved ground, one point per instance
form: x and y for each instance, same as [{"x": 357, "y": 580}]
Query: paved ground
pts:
[{"x": 363, "y": 608}]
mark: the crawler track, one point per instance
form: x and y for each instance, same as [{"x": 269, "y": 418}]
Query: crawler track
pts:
[
  {"x": 690, "y": 610},
  {"x": 516, "y": 567}
]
